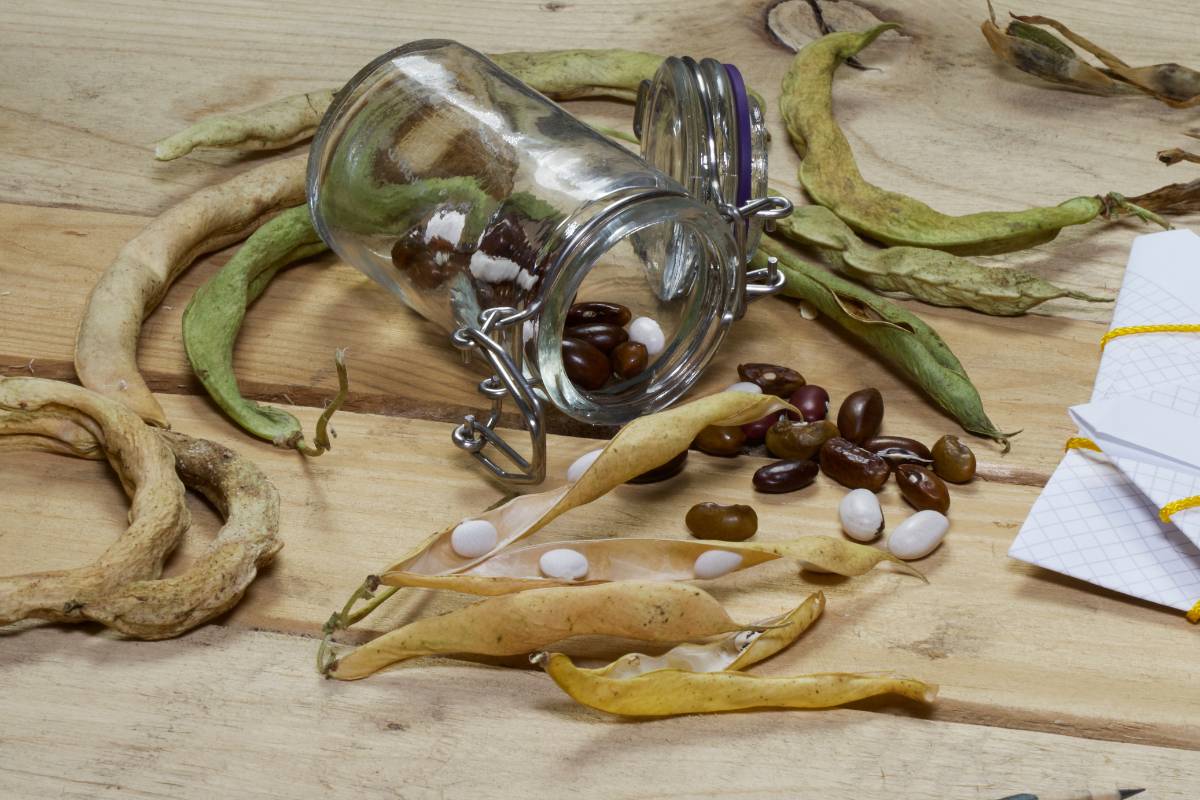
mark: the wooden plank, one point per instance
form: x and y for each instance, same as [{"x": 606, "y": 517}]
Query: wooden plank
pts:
[
  {"x": 939, "y": 119},
  {"x": 234, "y": 713},
  {"x": 1012, "y": 646},
  {"x": 400, "y": 364}
]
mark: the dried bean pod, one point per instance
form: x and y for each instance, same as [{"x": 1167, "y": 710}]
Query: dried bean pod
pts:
[
  {"x": 520, "y": 623},
  {"x": 135, "y": 282},
  {"x": 268, "y": 127},
  {"x": 831, "y": 177},
  {"x": 214, "y": 316}
]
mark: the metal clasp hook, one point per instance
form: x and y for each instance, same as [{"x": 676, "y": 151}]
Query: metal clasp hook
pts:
[
  {"x": 507, "y": 380},
  {"x": 753, "y": 284}
]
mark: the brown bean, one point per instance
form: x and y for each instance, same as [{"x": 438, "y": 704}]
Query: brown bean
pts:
[
  {"x": 757, "y": 431},
  {"x": 586, "y": 366},
  {"x": 428, "y": 265},
  {"x": 897, "y": 450},
  {"x": 587, "y": 313},
  {"x": 600, "y": 335},
  {"x": 953, "y": 460},
  {"x": 922, "y": 489},
  {"x": 663, "y": 471},
  {"x": 791, "y": 439},
  {"x": 629, "y": 359},
  {"x": 720, "y": 440},
  {"x": 861, "y": 415},
  {"x": 813, "y": 402},
  {"x": 852, "y": 466},
  {"x": 771, "y": 378},
  {"x": 785, "y": 476},
  {"x": 723, "y": 523}
]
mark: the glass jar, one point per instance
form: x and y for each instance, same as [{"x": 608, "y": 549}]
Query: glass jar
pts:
[{"x": 490, "y": 210}]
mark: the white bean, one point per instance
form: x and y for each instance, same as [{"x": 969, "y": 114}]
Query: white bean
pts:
[
  {"x": 919, "y": 535},
  {"x": 715, "y": 563},
  {"x": 581, "y": 464},
  {"x": 473, "y": 538},
  {"x": 649, "y": 333},
  {"x": 860, "y": 515},
  {"x": 564, "y": 564},
  {"x": 745, "y": 386}
]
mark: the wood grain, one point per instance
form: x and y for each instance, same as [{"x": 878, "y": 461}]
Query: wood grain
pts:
[
  {"x": 1011, "y": 646},
  {"x": 401, "y": 364}
]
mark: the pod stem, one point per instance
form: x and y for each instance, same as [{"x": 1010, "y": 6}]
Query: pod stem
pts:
[
  {"x": 1115, "y": 203},
  {"x": 321, "y": 441},
  {"x": 340, "y": 620}
]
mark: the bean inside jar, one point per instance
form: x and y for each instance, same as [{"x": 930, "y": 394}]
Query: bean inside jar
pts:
[{"x": 603, "y": 344}]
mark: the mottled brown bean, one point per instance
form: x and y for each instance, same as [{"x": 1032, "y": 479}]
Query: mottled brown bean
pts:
[
  {"x": 771, "y": 378},
  {"x": 897, "y": 450},
  {"x": 585, "y": 365},
  {"x": 601, "y": 335},
  {"x": 861, "y": 415},
  {"x": 720, "y": 440},
  {"x": 629, "y": 359},
  {"x": 662, "y": 472},
  {"x": 852, "y": 466},
  {"x": 813, "y": 402},
  {"x": 734, "y": 523},
  {"x": 587, "y": 313},
  {"x": 799, "y": 440},
  {"x": 785, "y": 476},
  {"x": 953, "y": 460},
  {"x": 922, "y": 489}
]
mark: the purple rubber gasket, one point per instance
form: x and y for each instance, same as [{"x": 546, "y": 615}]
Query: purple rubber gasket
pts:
[{"x": 741, "y": 107}]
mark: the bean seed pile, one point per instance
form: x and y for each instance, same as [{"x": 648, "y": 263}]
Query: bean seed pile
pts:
[
  {"x": 603, "y": 343},
  {"x": 852, "y": 452}
]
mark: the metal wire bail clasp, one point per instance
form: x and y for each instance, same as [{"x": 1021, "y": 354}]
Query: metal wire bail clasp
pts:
[
  {"x": 764, "y": 281},
  {"x": 507, "y": 380}
]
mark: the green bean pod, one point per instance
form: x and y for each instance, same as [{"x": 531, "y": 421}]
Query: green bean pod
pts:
[
  {"x": 214, "y": 316},
  {"x": 900, "y": 337},
  {"x": 831, "y": 176}
]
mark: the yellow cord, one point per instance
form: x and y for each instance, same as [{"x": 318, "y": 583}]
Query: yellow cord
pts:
[
  {"x": 1193, "y": 616},
  {"x": 1132, "y": 329},
  {"x": 1166, "y": 512}
]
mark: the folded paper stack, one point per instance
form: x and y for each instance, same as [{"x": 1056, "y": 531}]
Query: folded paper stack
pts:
[{"x": 1120, "y": 515}]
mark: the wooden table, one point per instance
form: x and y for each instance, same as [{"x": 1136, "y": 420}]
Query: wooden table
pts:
[{"x": 1047, "y": 683}]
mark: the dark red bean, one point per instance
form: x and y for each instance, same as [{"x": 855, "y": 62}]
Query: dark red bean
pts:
[
  {"x": 587, "y": 313},
  {"x": 757, "y": 431},
  {"x": 785, "y": 476},
  {"x": 813, "y": 402},
  {"x": 629, "y": 359},
  {"x": 852, "y": 466},
  {"x": 720, "y": 440},
  {"x": 662, "y": 472},
  {"x": 600, "y": 335},
  {"x": 771, "y": 378},
  {"x": 586, "y": 366},
  {"x": 922, "y": 489},
  {"x": 861, "y": 415}
]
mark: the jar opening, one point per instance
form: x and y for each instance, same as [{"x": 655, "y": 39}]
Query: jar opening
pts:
[{"x": 668, "y": 261}]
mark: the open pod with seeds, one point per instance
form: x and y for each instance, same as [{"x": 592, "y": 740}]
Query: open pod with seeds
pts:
[
  {"x": 122, "y": 588},
  {"x": 606, "y": 560}
]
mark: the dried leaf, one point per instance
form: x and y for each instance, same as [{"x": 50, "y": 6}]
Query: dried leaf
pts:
[
  {"x": 517, "y": 569},
  {"x": 519, "y": 623},
  {"x": 667, "y": 692},
  {"x": 1174, "y": 198}
]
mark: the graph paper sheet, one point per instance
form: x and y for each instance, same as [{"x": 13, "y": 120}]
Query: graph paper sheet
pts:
[{"x": 1097, "y": 519}]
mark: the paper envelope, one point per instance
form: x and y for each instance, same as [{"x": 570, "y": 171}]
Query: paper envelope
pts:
[{"x": 1098, "y": 517}]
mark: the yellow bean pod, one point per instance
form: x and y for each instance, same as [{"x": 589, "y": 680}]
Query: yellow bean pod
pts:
[{"x": 667, "y": 692}]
